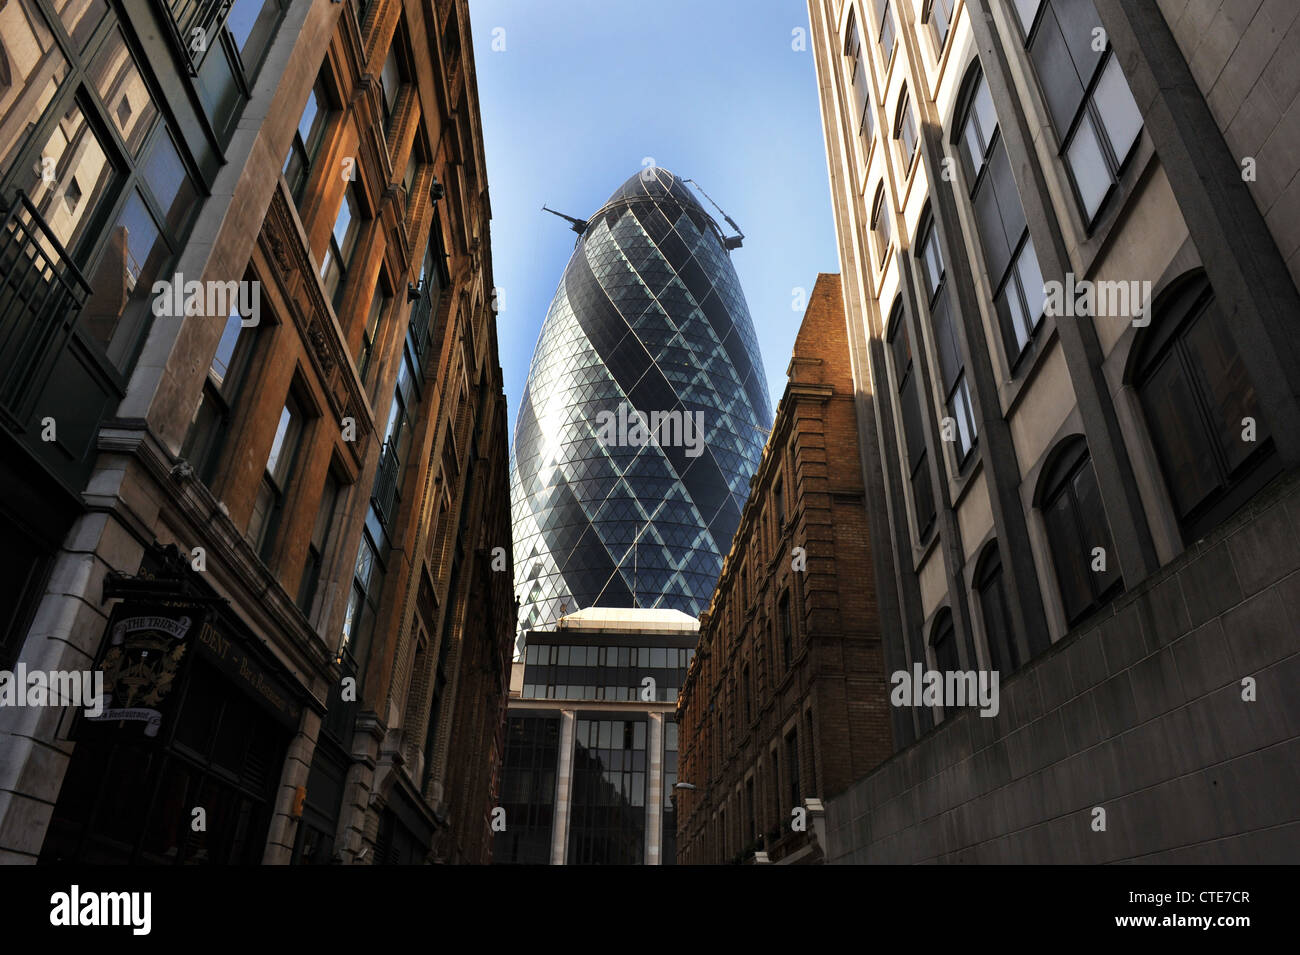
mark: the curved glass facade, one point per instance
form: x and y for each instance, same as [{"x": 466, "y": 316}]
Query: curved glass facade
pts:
[{"x": 644, "y": 416}]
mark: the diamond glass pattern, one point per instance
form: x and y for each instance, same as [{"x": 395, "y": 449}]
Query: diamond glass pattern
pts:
[{"x": 649, "y": 313}]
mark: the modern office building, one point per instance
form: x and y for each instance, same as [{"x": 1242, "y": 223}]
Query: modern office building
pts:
[
  {"x": 644, "y": 414},
  {"x": 1069, "y": 247},
  {"x": 591, "y": 745},
  {"x": 785, "y": 704},
  {"x": 264, "y": 497}
]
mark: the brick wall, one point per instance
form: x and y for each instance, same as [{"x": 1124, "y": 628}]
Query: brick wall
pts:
[{"x": 832, "y": 690}]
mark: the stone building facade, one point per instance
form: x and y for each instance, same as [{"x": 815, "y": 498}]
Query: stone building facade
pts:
[
  {"x": 1067, "y": 237},
  {"x": 315, "y": 486},
  {"x": 784, "y": 704}
]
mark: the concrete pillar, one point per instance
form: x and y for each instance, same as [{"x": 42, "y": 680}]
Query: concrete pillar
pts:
[
  {"x": 563, "y": 784},
  {"x": 654, "y": 836},
  {"x": 1240, "y": 255}
]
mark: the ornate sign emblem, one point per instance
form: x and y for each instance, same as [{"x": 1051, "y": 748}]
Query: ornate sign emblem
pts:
[{"x": 145, "y": 650}]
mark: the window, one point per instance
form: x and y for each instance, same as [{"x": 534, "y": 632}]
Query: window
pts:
[
  {"x": 343, "y": 242},
  {"x": 1009, "y": 254},
  {"x": 905, "y": 131},
  {"x": 744, "y": 690},
  {"x": 938, "y": 13},
  {"x": 1091, "y": 107},
  {"x": 1196, "y": 395},
  {"x": 211, "y": 419},
  {"x": 995, "y": 614},
  {"x": 269, "y": 504},
  {"x": 977, "y": 129},
  {"x": 787, "y": 630},
  {"x": 792, "y": 768},
  {"x": 1076, "y": 528},
  {"x": 751, "y": 827},
  {"x": 316, "y": 547},
  {"x": 363, "y": 602},
  {"x": 952, "y": 371},
  {"x": 908, "y": 392},
  {"x": 379, "y": 305},
  {"x": 778, "y": 496},
  {"x": 306, "y": 140},
  {"x": 251, "y": 24},
  {"x": 886, "y": 21},
  {"x": 83, "y": 137},
  {"x": 880, "y": 224},
  {"x": 775, "y": 792},
  {"x": 943, "y": 641},
  {"x": 231, "y": 52},
  {"x": 859, "y": 83},
  {"x": 393, "y": 77}
]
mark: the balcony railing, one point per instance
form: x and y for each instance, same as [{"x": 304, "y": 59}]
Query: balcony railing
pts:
[
  {"x": 41, "y": 294},
  {"x": 421, "y": 319},
  {"x": 384, "y": 495}
]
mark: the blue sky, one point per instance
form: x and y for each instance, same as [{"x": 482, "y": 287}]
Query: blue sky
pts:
[{"x": 585, "y": 90}]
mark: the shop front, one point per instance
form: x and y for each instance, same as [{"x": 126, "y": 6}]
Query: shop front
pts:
[{"x": 183, "y": 764}]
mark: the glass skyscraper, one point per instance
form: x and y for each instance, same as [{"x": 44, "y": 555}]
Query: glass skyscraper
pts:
[{"x": 649, "y": 318}]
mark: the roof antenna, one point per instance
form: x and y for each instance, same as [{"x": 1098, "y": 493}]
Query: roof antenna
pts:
[
  {"x": 579, "y": 225},
  {"x": 728, "y": 242}
]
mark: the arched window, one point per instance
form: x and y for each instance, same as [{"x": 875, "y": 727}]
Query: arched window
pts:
[
  {"x": 1009, "y": 254},
  {"x": 943, "y": 640},
  {"x": 880, "y": 224},
  {"x": 1078, "y": 534},
  {"x": 1199, "y": 404},
  {"x": 956, "y": 390},
  {"x": 916, "y": 467},
  {"x": 995, "y": 612},
  {"x": 1096, "y": 119},
  {"x": 905, "y": 131}
]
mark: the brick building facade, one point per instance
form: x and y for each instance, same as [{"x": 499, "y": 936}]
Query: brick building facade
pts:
[
  {"x": 785, "y": 698},
  {"x": 332, "y": 473}
]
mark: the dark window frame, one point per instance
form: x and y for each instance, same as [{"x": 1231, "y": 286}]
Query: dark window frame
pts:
[
  {"x": 1165, "y": 347},
  {"x": 907, "y": 392},
  {"x": 1018, "y": 319},
  {"x": 1070, "y": 469},
  {"x": 306, "y": 151},
  {"x": 999, "y": 630},
  {"x": 881, "y": 227},
  {"x": 859, "y": 85},
  {"x": 1087, "y": 113},
  {"x": 939, "y": 33},
  {"x": 906, "y": 133},
  {"x": 955, "y": 387}
]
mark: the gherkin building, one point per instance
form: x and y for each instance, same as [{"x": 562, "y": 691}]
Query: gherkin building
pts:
[{"x": 649, "y": 316}]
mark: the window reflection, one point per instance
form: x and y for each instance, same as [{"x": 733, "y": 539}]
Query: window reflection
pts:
[
  {"x": 80, "y": 17},
  {"x": 116, "y": 78},
  {"x": 80, "y": 172},
  {"x": 31, "y": 70},
  {"x": 127, "y": 269}
]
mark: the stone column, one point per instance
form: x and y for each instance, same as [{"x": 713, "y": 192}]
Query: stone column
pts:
[
  {"x": 563, "y": 783},
  {"x": 654, "y": 801}
]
